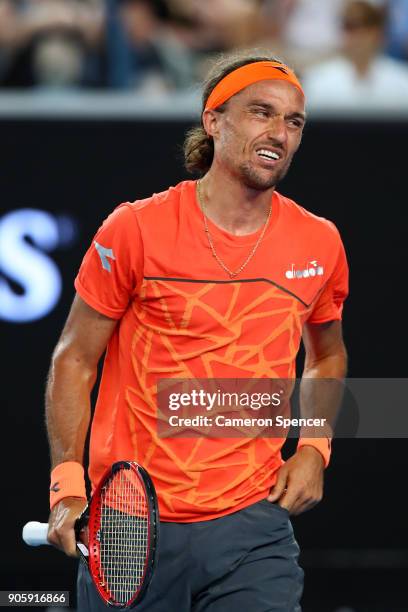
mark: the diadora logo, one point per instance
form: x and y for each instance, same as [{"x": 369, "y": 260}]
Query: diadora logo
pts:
[
  {"x": 311, "y": 269},
  {"x": 104, "y": 253}
]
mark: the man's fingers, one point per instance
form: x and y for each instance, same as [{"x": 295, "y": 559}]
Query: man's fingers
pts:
[
  {"x": 61, "y": 531},
  {"x": 294, "y": 495},
  {"x": 64, "y": 539},
  {"x": 62, "y": 535},
  {"x": 289, "y": 500},
  {"x": 84, "y": 536},
  {"x": 298, "y": 501},
  {"x": 277, "y": 491},
  {"x": 303, "y": 504},
  {"x": 299, "y": 486}
]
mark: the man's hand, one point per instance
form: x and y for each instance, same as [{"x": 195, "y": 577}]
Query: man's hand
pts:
[
  {"x": 61, "y": 524},
  {"x": 300, "y": 481}
]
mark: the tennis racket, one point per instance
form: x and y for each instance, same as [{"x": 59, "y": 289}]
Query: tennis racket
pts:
[{"x": 123, "y": 525}]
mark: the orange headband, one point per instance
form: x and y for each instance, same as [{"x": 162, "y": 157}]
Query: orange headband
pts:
[{"x": 240, "y": 78}]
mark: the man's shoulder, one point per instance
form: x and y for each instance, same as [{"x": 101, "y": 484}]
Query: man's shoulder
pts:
[
  {"x": 304, "y": 221},
  {"x": 170, "y": 197},
  {"x": 391, "y": 67}
]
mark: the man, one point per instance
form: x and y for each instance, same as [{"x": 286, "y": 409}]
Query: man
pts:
[
  {"x": 215, "y": 279},
  {"x": 362, "y": 76}
]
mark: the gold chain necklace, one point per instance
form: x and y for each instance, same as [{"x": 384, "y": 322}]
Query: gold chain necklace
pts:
[{"x": 210, "y": 241}]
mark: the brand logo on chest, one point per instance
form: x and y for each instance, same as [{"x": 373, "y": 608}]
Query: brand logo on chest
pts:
[{"x": 310, "y": 270}]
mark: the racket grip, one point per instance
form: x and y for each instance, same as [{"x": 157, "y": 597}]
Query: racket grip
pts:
[{"x": 35, "y": 533}]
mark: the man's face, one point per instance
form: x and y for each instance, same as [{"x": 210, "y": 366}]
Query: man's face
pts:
[
  {"x": 257, "y": 135},
  {"x": 363, "y": 32}
]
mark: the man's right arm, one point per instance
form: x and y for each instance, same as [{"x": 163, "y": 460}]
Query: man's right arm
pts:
[{"x": 71, "y": 379}]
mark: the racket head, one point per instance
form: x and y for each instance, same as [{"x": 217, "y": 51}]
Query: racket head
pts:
[{"x": 123, "y": 534}]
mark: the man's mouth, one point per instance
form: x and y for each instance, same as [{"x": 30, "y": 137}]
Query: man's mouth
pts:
[{"x": 269, "y": 155}]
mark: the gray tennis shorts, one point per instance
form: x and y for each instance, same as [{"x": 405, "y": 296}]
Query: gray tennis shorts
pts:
[{"x": 245, "y": 561}]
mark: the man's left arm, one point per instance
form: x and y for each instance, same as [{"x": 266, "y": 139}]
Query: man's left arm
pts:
[{"x": 300, "y": 480}]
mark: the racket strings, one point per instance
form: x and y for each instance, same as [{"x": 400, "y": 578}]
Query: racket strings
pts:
[{"x": 123, "y": 535}]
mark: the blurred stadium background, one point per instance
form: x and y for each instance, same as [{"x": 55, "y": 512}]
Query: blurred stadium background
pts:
[{"x": 95, "y": 98}]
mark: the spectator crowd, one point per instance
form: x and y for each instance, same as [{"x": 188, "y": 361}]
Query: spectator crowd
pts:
[{"x": 346, "y": 51}]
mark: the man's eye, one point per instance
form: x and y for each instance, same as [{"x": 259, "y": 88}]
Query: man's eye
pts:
[
  {"x": 295, "y": 122},
  {"x": 261, "y": 112}
]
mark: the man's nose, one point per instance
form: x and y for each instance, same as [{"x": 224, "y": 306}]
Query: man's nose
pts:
[{"x": 277, "y": 130}]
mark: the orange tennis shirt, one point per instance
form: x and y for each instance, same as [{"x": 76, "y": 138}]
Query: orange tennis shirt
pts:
[{"x": 179, "y": 316}]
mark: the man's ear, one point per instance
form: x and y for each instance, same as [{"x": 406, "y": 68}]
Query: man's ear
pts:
[{"x": 211, "y": 121}]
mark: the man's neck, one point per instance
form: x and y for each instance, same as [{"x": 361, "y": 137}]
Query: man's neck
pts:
[{"x": 231, "y": 205}]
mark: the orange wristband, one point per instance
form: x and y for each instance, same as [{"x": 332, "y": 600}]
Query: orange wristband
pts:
[
  {"x": 67, "y": 480},
  {"x": 323, "y": 445}
]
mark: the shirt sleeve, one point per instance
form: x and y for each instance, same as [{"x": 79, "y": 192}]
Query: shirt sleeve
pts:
[
  {"x": 112, "y": 267},
  {"x": 329, "y": 304}
]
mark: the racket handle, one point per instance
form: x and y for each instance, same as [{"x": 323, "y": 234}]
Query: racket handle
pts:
[{"x": 35, "y": 533}]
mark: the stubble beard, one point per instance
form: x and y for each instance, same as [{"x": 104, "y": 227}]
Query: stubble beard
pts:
[{"x": 254, "y": 179}]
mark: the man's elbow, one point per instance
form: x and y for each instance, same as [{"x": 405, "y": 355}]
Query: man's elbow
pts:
[
  {"x": 70, "y": 362},
  {"x": 331, "y": 365}
]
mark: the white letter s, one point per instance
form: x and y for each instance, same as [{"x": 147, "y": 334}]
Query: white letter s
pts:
[{"x": 27, "y": 265}]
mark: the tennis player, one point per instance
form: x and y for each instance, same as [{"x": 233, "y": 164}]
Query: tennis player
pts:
[{"x": 215, "y": 278}]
